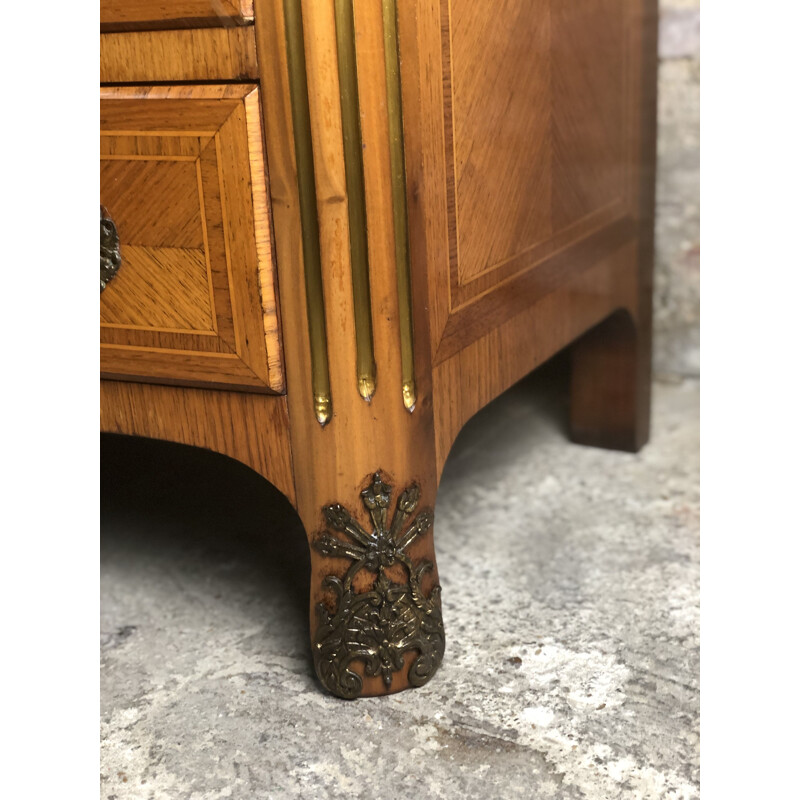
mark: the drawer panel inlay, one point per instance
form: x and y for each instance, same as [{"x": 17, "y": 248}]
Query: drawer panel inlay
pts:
[{"x": 182, "y": 174}]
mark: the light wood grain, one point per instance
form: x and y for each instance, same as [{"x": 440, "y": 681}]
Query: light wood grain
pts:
[
  {"x": 267, "y": 289},
  {"x": 492, "y": 363},
  {"x": 571, "y": 271},
  {"x": 195, "y": 297},
  {"x": 201, "y": 54},
  {"x": 250, "y": 428},
  {"x": 491, "y": 309},
  {"x": 332, "y": 463},
  {"x": 529, "y": 154},
  {"x": 116, "y": 15},
  {"x": 170, "y": 287},
  {"x": 528, "y": 124},
  {"x": 378, "y": 184},
  {"x": 284, "y": 200},
  {"x": 493, "y": 322},
  {"x": 319, "y": 31},
  {"x": 497, "y": 116}
]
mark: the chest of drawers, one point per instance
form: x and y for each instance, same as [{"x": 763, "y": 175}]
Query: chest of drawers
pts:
[{"x": 333, "y": 230}]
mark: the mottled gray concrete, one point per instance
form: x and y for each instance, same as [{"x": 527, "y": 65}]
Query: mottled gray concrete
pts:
[
  {"x": 571, "y": 600},
  {"x": 676, "y": 317}
]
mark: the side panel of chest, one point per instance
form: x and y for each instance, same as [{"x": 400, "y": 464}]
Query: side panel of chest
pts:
[{"x": 530, "y": 118}]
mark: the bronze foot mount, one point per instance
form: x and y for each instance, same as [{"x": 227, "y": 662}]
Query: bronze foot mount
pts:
[{"x": 385, "y": 623}]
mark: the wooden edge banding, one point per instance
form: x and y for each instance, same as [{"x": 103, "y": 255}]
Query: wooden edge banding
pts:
[
  {"x": 199, "y": 367},
  {"x": 148, "y": 91},
  {"x": 200, "y": 54},
  {"x": 309, "y": 222},
  {"x": 176, "y": 23},
  {"x": 132, "y": 157},
  {"x": 131, "y": 15},
  {"x": 212, "y": 303},
  {"x": 399, "y": 209},
  {"x": 512, "y": 296},
  {"x": 239, "y": 335},
  {"x": 249, "y": 427},
  {"x": 127, "y": 326},
  {"x": 266, "y": 270},
  {"x": 356, "y": 196},
  {"x": 202, "y": 136}
]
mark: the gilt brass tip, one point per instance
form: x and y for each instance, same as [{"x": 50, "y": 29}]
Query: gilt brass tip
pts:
[
  {"x": 366, "y": 387},
  {"x": 322, "y": 409},
  {"x": 409, "y": 395}
]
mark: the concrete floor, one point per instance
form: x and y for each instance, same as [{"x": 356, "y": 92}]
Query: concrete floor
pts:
[{"x": 570, "y": 584}]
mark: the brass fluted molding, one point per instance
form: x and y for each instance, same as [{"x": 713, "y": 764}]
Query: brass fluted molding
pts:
[
  {"x": 356, "y": 196},
  {"x": 309, "y": 222},
  {"x": 394, "y": 106}
]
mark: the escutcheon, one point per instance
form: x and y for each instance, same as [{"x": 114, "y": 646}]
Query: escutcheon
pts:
[{"x": 110, "y": 256}]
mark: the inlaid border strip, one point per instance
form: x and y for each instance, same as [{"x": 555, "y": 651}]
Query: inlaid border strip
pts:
[
  {"x": 261, "y": 209},
  {"x": 309, "y": 222},
  {"x": 394, "y": 105},
  {"x": 356, "y": 195}
]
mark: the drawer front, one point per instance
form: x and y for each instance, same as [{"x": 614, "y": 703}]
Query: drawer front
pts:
[
  {"x": 182, "y": 178},
  {"x": 119, "y": 15}
]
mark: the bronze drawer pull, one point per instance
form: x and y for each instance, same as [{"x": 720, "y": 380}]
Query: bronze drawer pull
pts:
[{"x": 110, "y": 257}]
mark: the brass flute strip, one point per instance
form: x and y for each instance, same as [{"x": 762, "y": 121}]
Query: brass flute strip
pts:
[
  {"x": 356, "y": 196},
  {"x": 394, "y": 106},
  {"x": 309, "y": 223}
]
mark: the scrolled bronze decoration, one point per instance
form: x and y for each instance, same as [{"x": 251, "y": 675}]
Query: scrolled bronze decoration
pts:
[
  {"x": 379, "y": 626},
  {"x": 110, "y": 256}
]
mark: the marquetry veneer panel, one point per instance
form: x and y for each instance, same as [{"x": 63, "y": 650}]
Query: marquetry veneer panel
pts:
[
  {"x": 182, "y": 176},
  {"x": 538, "y": 102},
  {"x": 557, "y": 163}
]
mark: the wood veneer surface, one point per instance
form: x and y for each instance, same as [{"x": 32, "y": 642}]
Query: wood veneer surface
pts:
[
  {"x": 182, "y": 175},
  {"x": 199, "y": 54},
  {"x": 529, "y": 155},
  {"x": 122, "y": 15}
]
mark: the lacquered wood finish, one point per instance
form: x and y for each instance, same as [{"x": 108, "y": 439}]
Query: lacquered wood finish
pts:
[
  {"x": 251, "y": 428},
  {"x": 482, "y": 370},
  {"x": 202, "y": 54},
  {"x": 336, "y": 460},
  {"x": 611, "y": 364},
  {"x": 556, "y": 184},
  {"x": 182, "y": 176},
  {"x": 127, "y": 15},
  {"x": 528, "y": 152}
]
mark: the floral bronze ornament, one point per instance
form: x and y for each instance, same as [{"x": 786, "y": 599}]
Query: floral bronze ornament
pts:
[{"x": 381, "y": 625}]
